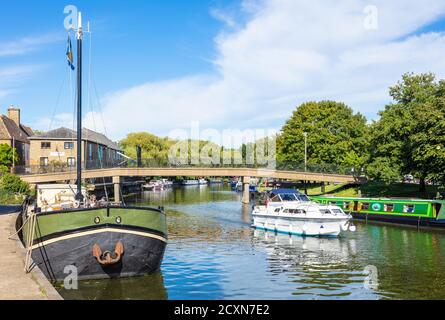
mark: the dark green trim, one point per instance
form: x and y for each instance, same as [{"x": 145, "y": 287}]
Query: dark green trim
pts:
[
  {"x": 100, "y": 208},
  {"x": 98, "y": 227}
]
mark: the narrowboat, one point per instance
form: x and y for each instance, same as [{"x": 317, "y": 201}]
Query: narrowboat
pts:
[{"x": 414, "y": 212}]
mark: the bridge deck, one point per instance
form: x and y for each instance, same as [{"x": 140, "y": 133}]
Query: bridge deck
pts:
[{"x": 192, "y": 172}]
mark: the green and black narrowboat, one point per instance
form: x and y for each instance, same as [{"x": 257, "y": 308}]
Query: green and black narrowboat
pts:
[{"x": 415, "y": 212}]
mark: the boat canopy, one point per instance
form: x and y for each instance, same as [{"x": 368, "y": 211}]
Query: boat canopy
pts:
[{"x": 285, "y": 191}]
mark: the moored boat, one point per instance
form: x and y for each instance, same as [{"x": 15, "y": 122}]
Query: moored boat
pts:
[
  {"x": 414, "y": 212},
  {"x": 65, "y": 230},
  {"x": 291, "y": 212},
  {"x": 190, "y": 183}
]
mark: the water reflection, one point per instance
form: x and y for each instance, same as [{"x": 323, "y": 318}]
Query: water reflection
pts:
[
  {"x": 213, "y": 253},
  {"x": 146, "y": 288}
]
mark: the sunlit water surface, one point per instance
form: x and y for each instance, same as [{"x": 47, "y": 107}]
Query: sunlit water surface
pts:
[{"x": 213, "y": 253}]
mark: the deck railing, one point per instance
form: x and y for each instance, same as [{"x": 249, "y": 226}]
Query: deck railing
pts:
[{"x": 160, "y": 163}]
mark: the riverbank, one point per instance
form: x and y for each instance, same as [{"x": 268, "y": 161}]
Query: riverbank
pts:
[
  {"x": 15, "y": 284},
  {"x": 373, "y": 190}
]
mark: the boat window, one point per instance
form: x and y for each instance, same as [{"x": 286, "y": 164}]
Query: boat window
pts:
[
  {"x": 299, "y": 211},
  {"x": 303, "y": 198},
  {"x": 288, "y": 197},
  {"x": 365, "y": 206},
  {"x": 337, "y": 211},
  {"x": 277, "y": 210},
  {"x": 409, "y": 208},
  {"x": 389, "y": 207},
  {"x": 324, "y": 211},
  {"x": 332, "y": 203},
  {"x": 347, "y": 205},
  {"x": 276, "y": 199}
]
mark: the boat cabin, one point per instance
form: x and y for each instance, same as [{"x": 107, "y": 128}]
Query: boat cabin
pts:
[{"x": 287, "y": 195}]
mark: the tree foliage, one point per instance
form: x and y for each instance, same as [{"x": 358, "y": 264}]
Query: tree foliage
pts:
[
  {"x": 12, "y": 183},
  {"x": 153, "y": 147},
  {"x": 7, "y": 154},
  {"x": 409, "y": 138},
  {"x": 335, "y": 135}
]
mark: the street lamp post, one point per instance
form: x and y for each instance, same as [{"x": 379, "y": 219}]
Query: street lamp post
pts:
[
  {"x": 305, "y": 151},
  {"x": 305, "y": 159}
]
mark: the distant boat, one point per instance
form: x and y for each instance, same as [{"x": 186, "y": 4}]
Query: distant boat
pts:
[
  {"x": 216, "y": 181},
  {"x": 154, "y": 185},
  {"x": 190, "y": 183},
  {"x": 203, "y": 182}
]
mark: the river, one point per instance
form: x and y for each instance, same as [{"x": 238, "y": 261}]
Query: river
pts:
[{"x": 213, "y": 253}]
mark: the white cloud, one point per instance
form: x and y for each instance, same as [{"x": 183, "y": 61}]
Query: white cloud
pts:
[
  {"x": 288, "y": 52},
  {"x": 27, "y": 44}
]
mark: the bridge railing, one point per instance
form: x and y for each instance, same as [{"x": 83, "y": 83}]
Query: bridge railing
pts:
[{"x": 160, "y": 163}]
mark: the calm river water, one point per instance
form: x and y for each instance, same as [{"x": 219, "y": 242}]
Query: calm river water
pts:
[{"x": 214, "y": 254}]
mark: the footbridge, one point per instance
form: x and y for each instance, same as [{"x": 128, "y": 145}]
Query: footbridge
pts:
[{"x": 117, "y": 174}]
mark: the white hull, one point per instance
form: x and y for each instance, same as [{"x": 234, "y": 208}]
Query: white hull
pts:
[{"x": 303, "y": 226}]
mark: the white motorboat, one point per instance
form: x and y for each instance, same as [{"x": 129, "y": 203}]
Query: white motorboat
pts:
[
  {"x": 154, "y": 185},
  {"x": 203, "y": 182},
  {"x": 291, "y": 212}
]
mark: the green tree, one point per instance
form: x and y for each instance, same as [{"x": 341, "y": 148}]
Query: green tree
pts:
[
  {"x": 12, "y": 183},
  {"x": 153, "y": 147},
  {"x": 409, "y": 138},
  {"x": 7, "y": 154},
  {"x": 336, "y": 136}
]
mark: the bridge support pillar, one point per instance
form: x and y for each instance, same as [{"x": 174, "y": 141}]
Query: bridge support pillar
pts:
[
  {"x": 117, "y": 189},
  {"x": 323, "y": 188},
  {"x": 246, "y": 190}
]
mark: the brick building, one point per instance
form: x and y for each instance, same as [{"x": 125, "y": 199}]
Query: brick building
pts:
[
  {"x": 14, "y": 133},
  {"x": 59, "y": 148}
]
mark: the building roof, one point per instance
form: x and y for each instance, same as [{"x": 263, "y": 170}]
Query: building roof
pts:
[
  {"x": 10, "y": 130},
  {"x": 68, "y": 134}
]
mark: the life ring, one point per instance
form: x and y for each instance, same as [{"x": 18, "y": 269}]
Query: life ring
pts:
[{"x": 376, "y": 207}]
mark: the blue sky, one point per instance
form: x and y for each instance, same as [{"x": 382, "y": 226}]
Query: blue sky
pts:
[{"x": 160, "y": 65}]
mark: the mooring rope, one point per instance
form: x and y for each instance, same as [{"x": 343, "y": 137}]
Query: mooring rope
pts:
[{"x": 30, "y": 240}]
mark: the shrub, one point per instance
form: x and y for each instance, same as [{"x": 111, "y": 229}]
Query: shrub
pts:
[{"x": 12, "y": 183}]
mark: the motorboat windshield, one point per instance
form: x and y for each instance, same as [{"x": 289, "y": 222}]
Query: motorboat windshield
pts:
[{"x": 288, "y": 196}]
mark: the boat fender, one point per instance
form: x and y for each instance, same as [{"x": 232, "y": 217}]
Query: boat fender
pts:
[
  {"x": 76, "y": 204},
  {"x": 352, "y": 228},
  {"x": 345, "y": 227}
]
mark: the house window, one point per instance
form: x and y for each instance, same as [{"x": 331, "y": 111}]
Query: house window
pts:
[
  {"x": 46, "y": 145},
  {"x": 44, "y": 162},
  {"x": 71, "y": 162},
  {"x": 69, "y": 145}
]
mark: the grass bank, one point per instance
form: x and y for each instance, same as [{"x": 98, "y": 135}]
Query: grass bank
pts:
[
  {"x": 8, "y": 198},
  {"x": 374, "y": 190}
]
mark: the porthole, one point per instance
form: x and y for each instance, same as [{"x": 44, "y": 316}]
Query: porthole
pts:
[
  {"x": 118, "y": 220},
  {"x": 97, "y": 220}
]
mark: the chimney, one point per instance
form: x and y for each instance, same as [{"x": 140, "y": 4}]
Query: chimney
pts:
[{"x": 14, "y": 115}]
